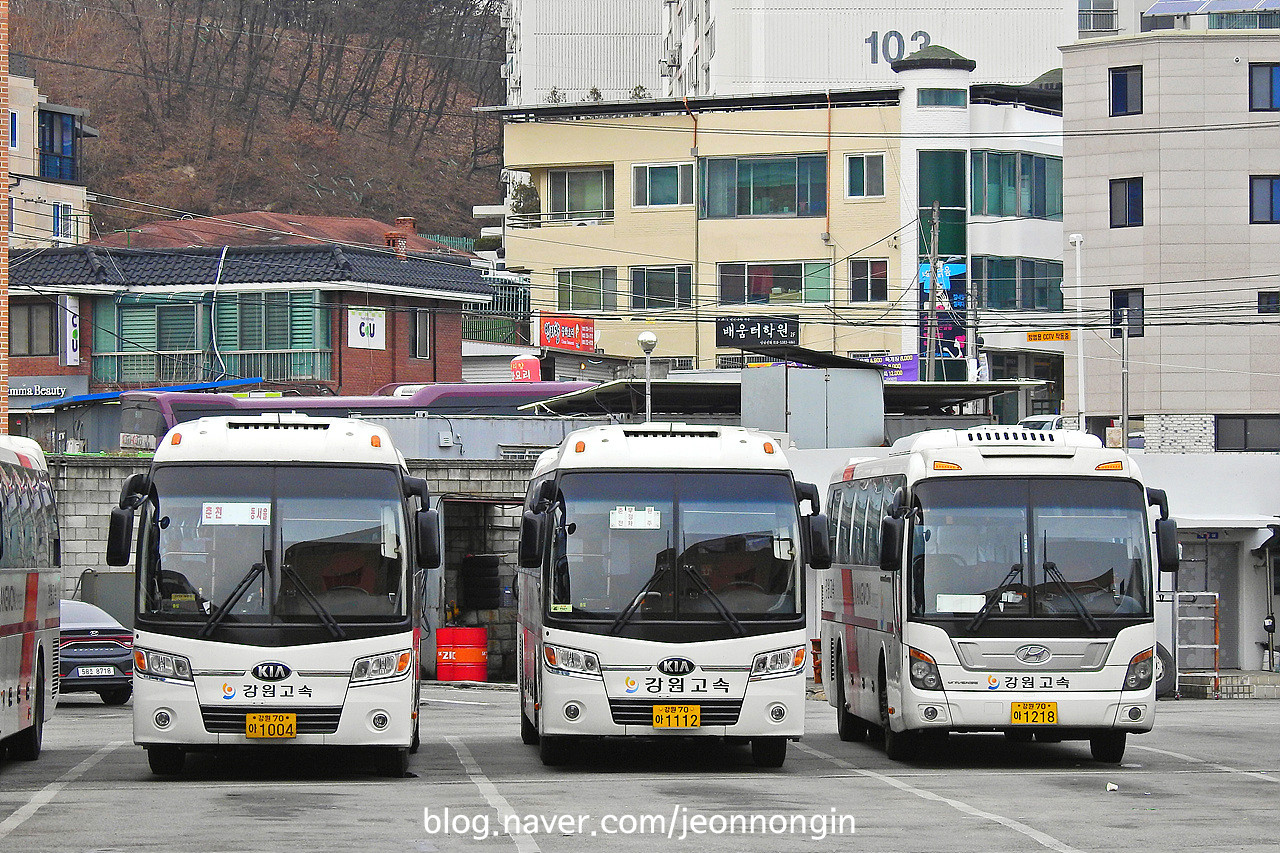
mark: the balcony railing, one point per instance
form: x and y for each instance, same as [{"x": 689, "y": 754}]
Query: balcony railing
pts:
[
  {"x": 194, "y": 366},
  {"x": 1099, "y": 21},
  {"x": 573, "y": 217}
]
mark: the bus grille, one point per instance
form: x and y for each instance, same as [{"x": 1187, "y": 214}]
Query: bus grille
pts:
[
  {"x": 230, "y": 720},
  {"x": 639, "y": 712}
]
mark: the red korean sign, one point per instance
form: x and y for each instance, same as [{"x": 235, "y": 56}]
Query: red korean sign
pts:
[{"x": 567, "y": 333}]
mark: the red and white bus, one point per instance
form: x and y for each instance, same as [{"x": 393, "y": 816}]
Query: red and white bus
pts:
[
  {"x": 30, "y": 587},
  {"x": 994, "y": 579}
]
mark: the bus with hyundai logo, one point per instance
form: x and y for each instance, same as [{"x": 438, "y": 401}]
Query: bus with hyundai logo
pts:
[
  {"x": 994, "y": 579},
  {"x": 30, "y": 589},
  {"x": 280, "y": 560},
  {"x": 661, "y": 589}
]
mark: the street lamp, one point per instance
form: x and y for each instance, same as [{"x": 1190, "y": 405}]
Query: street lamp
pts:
[
  {"x": 1077, "y": 241},
  {"x": 647, "y": 341}
]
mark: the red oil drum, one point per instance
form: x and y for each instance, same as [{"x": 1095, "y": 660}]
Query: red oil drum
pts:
[{"x": 462, "y": 654}]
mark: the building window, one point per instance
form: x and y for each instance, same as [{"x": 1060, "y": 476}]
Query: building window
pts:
[
  {"x": 1097, "y": 16},
  {"x": 257, "y": 322},
  {"x": 1264, "y": 87},
  {"x": 942, "y": 98},
  {"x": 1264, "y": 199},
  {"x": 1008, "y": 284},
  {"x": 868, "y": 280},
  {"x": 662, "y": 185},
  {"x": 63, "y": 221},
  {"x": 1126, "y": 202},
  {"x": 942, "y": 179},
  {"x": 762, "y": 186},
  {"x": 1269, "y": 301},
  {"x": 661, "y": 287},
  {"x": 33, "y": 329},
  {"x": 421, "y": 331},
  {"x": 58, "y": 134},
  {"x": 13, "y": 129},
  {"x": 587, "y": 289},
  {"x": 865, "y": 175},
  {"x": 731, "y": 362},
  {"x": 808, "y": 281},
  {"x": 1247, "y": 432},
  {"x": 581, "y": 194},
  {"x": 1126, "y": 91},
  {"x": 1016, "y": 184},
  {"x": 1130, "y": 299}
]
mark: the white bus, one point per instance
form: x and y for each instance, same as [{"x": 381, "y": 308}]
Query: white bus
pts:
[
  {"x": 661, "y": 589},
  {"x": 30, "y": 588},
  {"x": 994, "y": 579},
  {"x": 280, "y": 562}
]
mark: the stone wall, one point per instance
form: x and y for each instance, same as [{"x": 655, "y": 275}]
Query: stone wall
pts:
[
  {"x": 1179, "y": 433},
  {"x": 481, "y": 516}
]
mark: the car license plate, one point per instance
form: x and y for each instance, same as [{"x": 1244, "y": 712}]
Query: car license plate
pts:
[
  {"x": 677, "y": 716},
  {"x": 1034, "y": 713},
  {"x": 271, "y": 725},
  {"x": 95, "y": 671}
]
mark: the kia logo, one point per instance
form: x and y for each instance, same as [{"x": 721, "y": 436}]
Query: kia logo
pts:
[
  {"x": 676, "y": 666},
  {"x": 271, "y": 671},
  {"x": 1033, "y": 654}
]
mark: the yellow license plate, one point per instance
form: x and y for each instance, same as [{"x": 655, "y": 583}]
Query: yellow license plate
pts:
[
  {"x": 271, "y": 725},
  {"x": 677, "y": 716},
  {"x": 1033, "y": 713}
]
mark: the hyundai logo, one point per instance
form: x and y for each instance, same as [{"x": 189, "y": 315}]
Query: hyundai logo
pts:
[
  {"x": 271, "y": 671},
  {"x": 676, "y": 666},
  {"x": 1033, "y": 654}
]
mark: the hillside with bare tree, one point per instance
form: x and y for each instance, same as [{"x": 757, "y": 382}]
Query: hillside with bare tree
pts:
[{"x": 331, "y": 107}]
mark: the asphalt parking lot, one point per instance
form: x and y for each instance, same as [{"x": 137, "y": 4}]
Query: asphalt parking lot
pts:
[{"x": 1207, "y": 778}]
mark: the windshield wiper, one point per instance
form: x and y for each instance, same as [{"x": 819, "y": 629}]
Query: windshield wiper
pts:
[
  {"x": 325, "y": 616},
  {"x": 215, "y": 619},
  {"x": 724, "y": 612},
  {"x": 1082, "y": 610},
  {"x": 630, "y": 610},
  {"x": 981, "y": 616}
]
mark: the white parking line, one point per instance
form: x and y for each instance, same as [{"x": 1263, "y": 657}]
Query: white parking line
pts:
[
  {"x": 1192, "y": 759},
  {"x": 48, "y": 792},
  {"x": 1041, "y": 838},
  {"x": 524, "y": 841}
]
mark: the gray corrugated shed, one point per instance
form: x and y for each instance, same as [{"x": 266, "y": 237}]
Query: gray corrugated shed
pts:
[{"x": 139, "y": 269}]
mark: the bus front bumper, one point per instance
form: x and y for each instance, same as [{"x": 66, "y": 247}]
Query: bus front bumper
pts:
[
  {"x": 579, "y": 706},
  {"x": 1130, "y": 711}
]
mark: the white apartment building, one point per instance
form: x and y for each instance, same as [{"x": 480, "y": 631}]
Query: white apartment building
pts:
[
  {"x": 562, "y": 50},
  {"x": 1172, "y": 178}
]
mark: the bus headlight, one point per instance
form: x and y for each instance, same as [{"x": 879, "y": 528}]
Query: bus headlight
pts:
[
  {"x": 779, "y": 663},
  {"x": 161, "y": 665},
  {"x": 387, "y": 665},
  {"x": 573, "y": 661},
  {"x": 1138, "y": 676},
  {"x": 924, "y": 672}
]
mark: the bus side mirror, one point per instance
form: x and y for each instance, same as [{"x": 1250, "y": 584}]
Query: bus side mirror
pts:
[
  {"x": 417, "y": 487},
  {"x": 532, "y": 533},
  {"x": 891, "y": 533},
  {"x": 428, "y": 521},
  {"x": 120, "y": 536},
  {"x": 133, "y": 493},
  {"x": 819, "y": 543},
  {"x": 1168, "y": 551},
  {"x": 1160, "y": 499},
  {"x": 808, "y": 492}
]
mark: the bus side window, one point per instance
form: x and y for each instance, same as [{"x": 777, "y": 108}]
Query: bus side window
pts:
[
  {"x": 874, "y": 503},
  {"x": 833, "y": 508},
  {"x": 846, "y": 525},
  {"x": 857, "y": 549}
]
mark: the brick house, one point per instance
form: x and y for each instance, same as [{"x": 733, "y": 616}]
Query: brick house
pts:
[{"x": 314, "y": 318}]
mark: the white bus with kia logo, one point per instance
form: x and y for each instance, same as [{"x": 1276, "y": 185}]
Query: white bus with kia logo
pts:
[
  {"x": 661, "y": 589},
  {"x": 994, "y": 579},
  {"x": 280, "y": 563}
]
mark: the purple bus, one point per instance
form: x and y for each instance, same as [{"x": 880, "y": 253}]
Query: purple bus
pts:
[{"x": 145, "y": 416}]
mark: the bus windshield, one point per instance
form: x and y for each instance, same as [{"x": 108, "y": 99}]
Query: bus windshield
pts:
[
  {"x": 1030, "y": 548},
  {"x": 687, "y": 545},
  {"x": 273, "y": 545}
]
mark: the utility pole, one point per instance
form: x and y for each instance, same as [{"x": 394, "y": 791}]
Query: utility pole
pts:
[
  {"x": 1124, "y": 379},
  {"x": 1077, "y": 240},
  {"x": 931, "y": 329}
]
